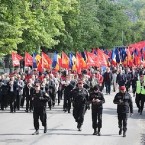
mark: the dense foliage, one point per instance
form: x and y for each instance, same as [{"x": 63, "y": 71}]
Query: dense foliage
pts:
[{"x": 72, "y": 25}]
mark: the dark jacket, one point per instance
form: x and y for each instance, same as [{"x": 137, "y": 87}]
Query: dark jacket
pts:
[
  {"x": 39, "y": 99},
  {"x": 134, "y": 78},
  {"x": 80, "y": 97},
  {"x": 107, "y": 77},
  {"x": 97, "y": 106},
  {"x": 28, "y": 92},
  {"x": 124, "y": 103},
  {"x": 121, "y": 79},
  {"x": 67, "y": 90}
]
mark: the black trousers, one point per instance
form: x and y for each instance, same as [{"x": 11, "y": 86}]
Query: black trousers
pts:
[
  {"x": 67, "y": 103},
  {"x": 122, "y": 121},
  {"x": 12, "y": 98},
  {"x": 138, "y": 100},
  {"x": 59, "y": 95},
  {"x": 29, "y": 104},
  {"x": 22, "y": 101},
  {"x": 108, "y": 87},
  {"x": 78, "y": 114},
  {"x": 142, "y": 102},
  {"x": 4, "y": 101},
  {"x": 18, "y": 101},
  {"x": 96, "y": 120},
  {"x": 39, "y": 113}
]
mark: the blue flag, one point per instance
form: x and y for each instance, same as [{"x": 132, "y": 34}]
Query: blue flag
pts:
[{"x": 34, "y": 60}]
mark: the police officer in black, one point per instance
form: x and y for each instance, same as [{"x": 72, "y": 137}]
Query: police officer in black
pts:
[
  {"x": 124, "y": 105},
  {"x": 80, "y": 98},
  {"x": 97, "y": 100},
  {"x": 39, "y": 103}
]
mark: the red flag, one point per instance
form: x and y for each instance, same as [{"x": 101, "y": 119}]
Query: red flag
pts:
[
  {"x": 137, "y": 60},
  {"x": 46, "y": 61},
  {"x": 16, "y": 59},
  {"x": 129, "y": 58},
  {"x": 80, "y": 63},
  {"x": 28, "y": 59},
  {"x": 39, "y": 66},
  {"x": 64, "y": 61},
  {"x": 102, "y": 57},
  {"x": 92, "y": 60}
]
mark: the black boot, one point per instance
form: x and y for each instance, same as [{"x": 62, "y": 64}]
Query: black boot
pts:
[
  {"x": 79, "y": 127},
  {"x": 36, "y": 132},
  {"x": 99, "y": 134},
  {"x": 124, "y": 133},
  {"x": 120, "y": 131},
  {"x": 95, "y": 132},
  {"x": 45, "y": 129}
]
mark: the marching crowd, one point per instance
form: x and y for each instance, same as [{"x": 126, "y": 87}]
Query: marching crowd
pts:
[{"x": 36, "y": 91}]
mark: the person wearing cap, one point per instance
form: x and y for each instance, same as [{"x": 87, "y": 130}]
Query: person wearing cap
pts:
[
  {"x": 80, "y": 99},
  {"x": 39, "y": 104},
  {"x": 97, "y": 100},
  {"x": 124, "y": 104}
]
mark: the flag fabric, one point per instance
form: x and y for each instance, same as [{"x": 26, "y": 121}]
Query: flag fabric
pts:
[
  {"x": 84, "y": 55},
  {"x": 113, "y": 58},
  {"x": 54, "y": 60},
  {"x": 16, "y": 59},
  {"x": 92, "y": 60},
  {"x": 34, "y": 61},
  {"x": 123, "y": 54},
  {"x": 38, "y": 58},
  {"x": 129, "y": 58},
  {"x": 28, "y": 59},
  {"x": 78, "y": 63},
  {"x": 65, "y": 61},
  {"x": 70, "y": 60},
  {"x": 56, "y": 63},
  {"x": 102, "y": 57},
  {"x": 39, "y": 66},
  {"x": 117, "y": 55},
  {"x": 74, "y": 63},
  {"x": 46, "y": 61}
]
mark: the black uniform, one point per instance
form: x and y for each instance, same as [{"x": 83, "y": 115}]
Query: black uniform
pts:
[
  {"x": 97, "y": 108},
  {"x": 124, "y": 105},
  {"x": 80, "y": 100},
  {"x": 4, "y": 96},
  {"x": 39, "y": 104},
  {"x": 12, "y": 92},
  {"x": 67, "y": 97},
  {"x": 28, "y": 91}
]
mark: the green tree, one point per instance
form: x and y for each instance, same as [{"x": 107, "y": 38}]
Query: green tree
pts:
[
  {"x": 10, "y": 25},
  {"x": 113, "y": 22}
]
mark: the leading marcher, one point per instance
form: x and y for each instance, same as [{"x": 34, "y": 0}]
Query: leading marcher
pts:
[
  {"x": 80, "y": 99},
  {"x": 39, "y": 103},
  {"x": 97, "y": 100},
  {"x": 124, "y": 104}
]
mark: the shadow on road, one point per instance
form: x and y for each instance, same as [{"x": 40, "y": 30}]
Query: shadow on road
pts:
[{"x": 15, "y": 134}]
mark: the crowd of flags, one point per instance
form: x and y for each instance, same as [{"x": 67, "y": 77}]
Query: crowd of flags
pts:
[{"x": 133, "y": 55}]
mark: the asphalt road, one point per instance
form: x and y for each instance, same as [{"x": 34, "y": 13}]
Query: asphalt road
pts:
[{"x": 17, "y": 128}]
